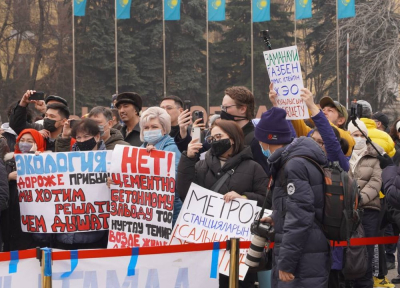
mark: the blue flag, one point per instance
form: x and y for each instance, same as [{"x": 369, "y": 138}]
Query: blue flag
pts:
[
  {"x": 261, "y": 10},
  {"x": 124, "y": 9},
  {"x": 79, "y": 7},
  {"x": 216, "y": 10},
  {"x": 172, "y": 9},
  {"x": 346, "y": 9},
  {"x": 303, "y": 9}
]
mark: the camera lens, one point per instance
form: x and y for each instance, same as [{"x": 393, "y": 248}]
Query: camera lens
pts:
[{"x": 255, "y": 251}]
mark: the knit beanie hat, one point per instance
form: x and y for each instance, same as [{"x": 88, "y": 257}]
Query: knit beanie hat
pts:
[
  {"x": 273, "y": 127},
  {"x": 360, "y": 124}
]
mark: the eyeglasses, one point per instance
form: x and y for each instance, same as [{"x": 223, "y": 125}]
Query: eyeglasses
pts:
[
  {"x": 210, "y": 139},
  {"x": 224, "y": 108}
]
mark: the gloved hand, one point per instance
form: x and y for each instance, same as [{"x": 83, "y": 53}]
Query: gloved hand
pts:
[{"x": 385, "y": 161}]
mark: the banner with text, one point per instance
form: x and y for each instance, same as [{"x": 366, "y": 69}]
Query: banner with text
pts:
[
  {"x": 142, "y": 197},
  {"x": 284, "y": 72},
  {"x": 63, "y": 192},
  {"x": 206, "y": 217}
]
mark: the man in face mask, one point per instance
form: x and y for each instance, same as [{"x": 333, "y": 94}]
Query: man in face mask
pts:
[
  {"x": 104, "y": 118},
  {"x": 55, "y": 117}
]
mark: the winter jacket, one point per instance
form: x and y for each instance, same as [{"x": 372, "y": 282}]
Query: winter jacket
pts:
[
  {"x": 302, "y": 130},
  {"x": 63, "y": 144},
  {"x": 13, "y": 237},
  {"x": 369, "y": 178},
  {"x": 301, "y": 248},
  {"x": 380, "y": 137},
  {"x": 396, "y": 157},
  {"x": 4, "y": 191},
  {"x": 167, "y": 143},
  {"x": 249, "y": 179},
  {"x": 83, "y": 237},
  {"x": 332, "y": 146},
  {"x": 133, "y": 138},
  {"x": 18, "y": 120}
]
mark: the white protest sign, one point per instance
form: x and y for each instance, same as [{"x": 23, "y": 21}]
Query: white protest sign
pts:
[
  {"x": 27, "y": 274},
  {"x": 63, "y": 192},
  {"x": 142, "y": 198},
  {"x": 284, "y": 72},
  {"x": 184, "y": 270},
  {"x": 206, "y": 217}
]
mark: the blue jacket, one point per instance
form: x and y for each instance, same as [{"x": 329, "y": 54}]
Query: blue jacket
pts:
[
  {"x": 167, "y": 143},
  {"x": 301, "y": 248}
]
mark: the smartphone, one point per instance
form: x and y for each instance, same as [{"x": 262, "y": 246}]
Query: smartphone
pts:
[
  {"x": 187, "y": 105},
  {"x": 198, "y": 115},
  {"x": 196, "y": 134},
  {"x": 72, "y": 122},
  {"x": 37, "y": 96}
]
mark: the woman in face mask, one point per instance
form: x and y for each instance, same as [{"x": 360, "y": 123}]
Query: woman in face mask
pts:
[
  {"x": 28, "y": 141},
  {"x": 86, "y": 132},
  {"x": 365, "y": 168},
  {"x": 226, "y": 155},
  {"x": 155, "y": 126}
]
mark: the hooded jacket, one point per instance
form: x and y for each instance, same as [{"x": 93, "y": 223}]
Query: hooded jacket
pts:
[
  {"x": 369, "y": 177},
  {"x": 380, "y": 137},
  {"x": 301, "y": 248},
  {"x": 249, "y": 178}
]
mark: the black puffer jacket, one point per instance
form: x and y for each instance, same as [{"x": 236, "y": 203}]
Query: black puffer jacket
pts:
[
  {"x": 249, "y": 178},
  {"x": 300, "y": 246}
]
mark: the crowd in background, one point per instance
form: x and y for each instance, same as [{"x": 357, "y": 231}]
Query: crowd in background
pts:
[{"x": 230, "y": 144}]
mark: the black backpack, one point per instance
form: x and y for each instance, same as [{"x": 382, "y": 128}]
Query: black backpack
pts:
[{"x": 341, "y": 215}]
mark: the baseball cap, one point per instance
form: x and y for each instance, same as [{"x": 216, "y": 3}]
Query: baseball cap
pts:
[
  {"x": 381, "y": 118},
  {"x": 328, "y": 101}
]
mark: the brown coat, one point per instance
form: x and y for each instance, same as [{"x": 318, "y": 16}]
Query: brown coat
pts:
[{"x": 369, "y": 178}]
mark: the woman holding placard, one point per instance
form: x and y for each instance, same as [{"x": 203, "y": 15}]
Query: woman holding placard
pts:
[{"x": 155, "y": 126}]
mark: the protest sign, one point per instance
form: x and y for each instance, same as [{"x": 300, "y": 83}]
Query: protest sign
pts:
[
  {"x": 63, "y": 192},
  {"x": 206, "y": 217},
  {"x": 284, "y": 72},
  {"x": 142, "y": 197}
]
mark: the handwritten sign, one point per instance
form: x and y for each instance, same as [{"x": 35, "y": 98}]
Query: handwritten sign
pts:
[
  {"x": 284, "y": 72},
  {"x": 142, "y": 199},
  {"x": 63, "y": 192},
  {"x": 206, "y": 217}
]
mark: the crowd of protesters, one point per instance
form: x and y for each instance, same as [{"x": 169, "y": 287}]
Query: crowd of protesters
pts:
[{"x": 249, "y": 155}]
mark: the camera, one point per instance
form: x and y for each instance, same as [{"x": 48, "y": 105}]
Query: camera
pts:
[
  {"x": 356, "y": 111},
  {"x": 263, "y": 233}
]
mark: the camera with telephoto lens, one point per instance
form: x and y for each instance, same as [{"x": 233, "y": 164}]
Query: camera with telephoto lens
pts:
[{"x": 263, "y": 233}]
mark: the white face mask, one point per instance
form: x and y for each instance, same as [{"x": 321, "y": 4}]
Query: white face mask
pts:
[{"x": 360, "y": 143}]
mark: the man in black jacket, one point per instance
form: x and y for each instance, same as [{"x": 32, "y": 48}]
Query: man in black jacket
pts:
[
  {"x": 129, "y": 105},
  {"x": 301, "y": 252}
]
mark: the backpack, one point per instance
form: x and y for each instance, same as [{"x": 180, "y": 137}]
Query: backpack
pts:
[{"x": 341, "y": 215}]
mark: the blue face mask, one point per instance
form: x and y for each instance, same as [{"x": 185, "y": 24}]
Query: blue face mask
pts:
[
  {"x": 152, "y": 136},
  {"x": 266, "y": 153}
]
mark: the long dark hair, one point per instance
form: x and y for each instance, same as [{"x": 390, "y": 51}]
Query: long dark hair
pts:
[
  {"x": 344, "y": 145},
  {"x": 234, "y": 132}
]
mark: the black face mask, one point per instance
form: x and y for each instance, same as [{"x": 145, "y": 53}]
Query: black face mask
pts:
[
  {"x": 227, "y": 116},
  {"x": 87, "y": 145},
  {"x": 220, "y": 147},
  {"x": 49, "y": 124}
]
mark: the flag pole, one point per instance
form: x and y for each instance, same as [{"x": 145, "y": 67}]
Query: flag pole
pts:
[
  {"x": 164, "y": 64},
  {"x": 116, "y": 46},
  {"x": 337, "y": 52},
  {"x": 347, "y": 71},
  {"x": 295, "y": 24},
  {"x": 252, "y": 47},
  {"x": 207, "y": 62},
  {"x": 73, "y": 57}
]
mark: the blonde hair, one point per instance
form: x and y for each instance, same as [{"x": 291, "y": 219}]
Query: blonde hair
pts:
[{"x": 153, "y": 113}]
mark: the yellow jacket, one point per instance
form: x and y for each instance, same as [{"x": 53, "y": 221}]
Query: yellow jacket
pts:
[
  {"x": 379, "y": 137},
  {"x": 302, "y": 130}
]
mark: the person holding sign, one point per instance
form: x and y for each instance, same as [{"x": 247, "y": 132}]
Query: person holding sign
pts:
[
  {"x": 87, "y": 135},
  {"x": 28, "y": 141},
  {"x": 155, "y": 126},
  {"x": 227, "y": 156}
]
